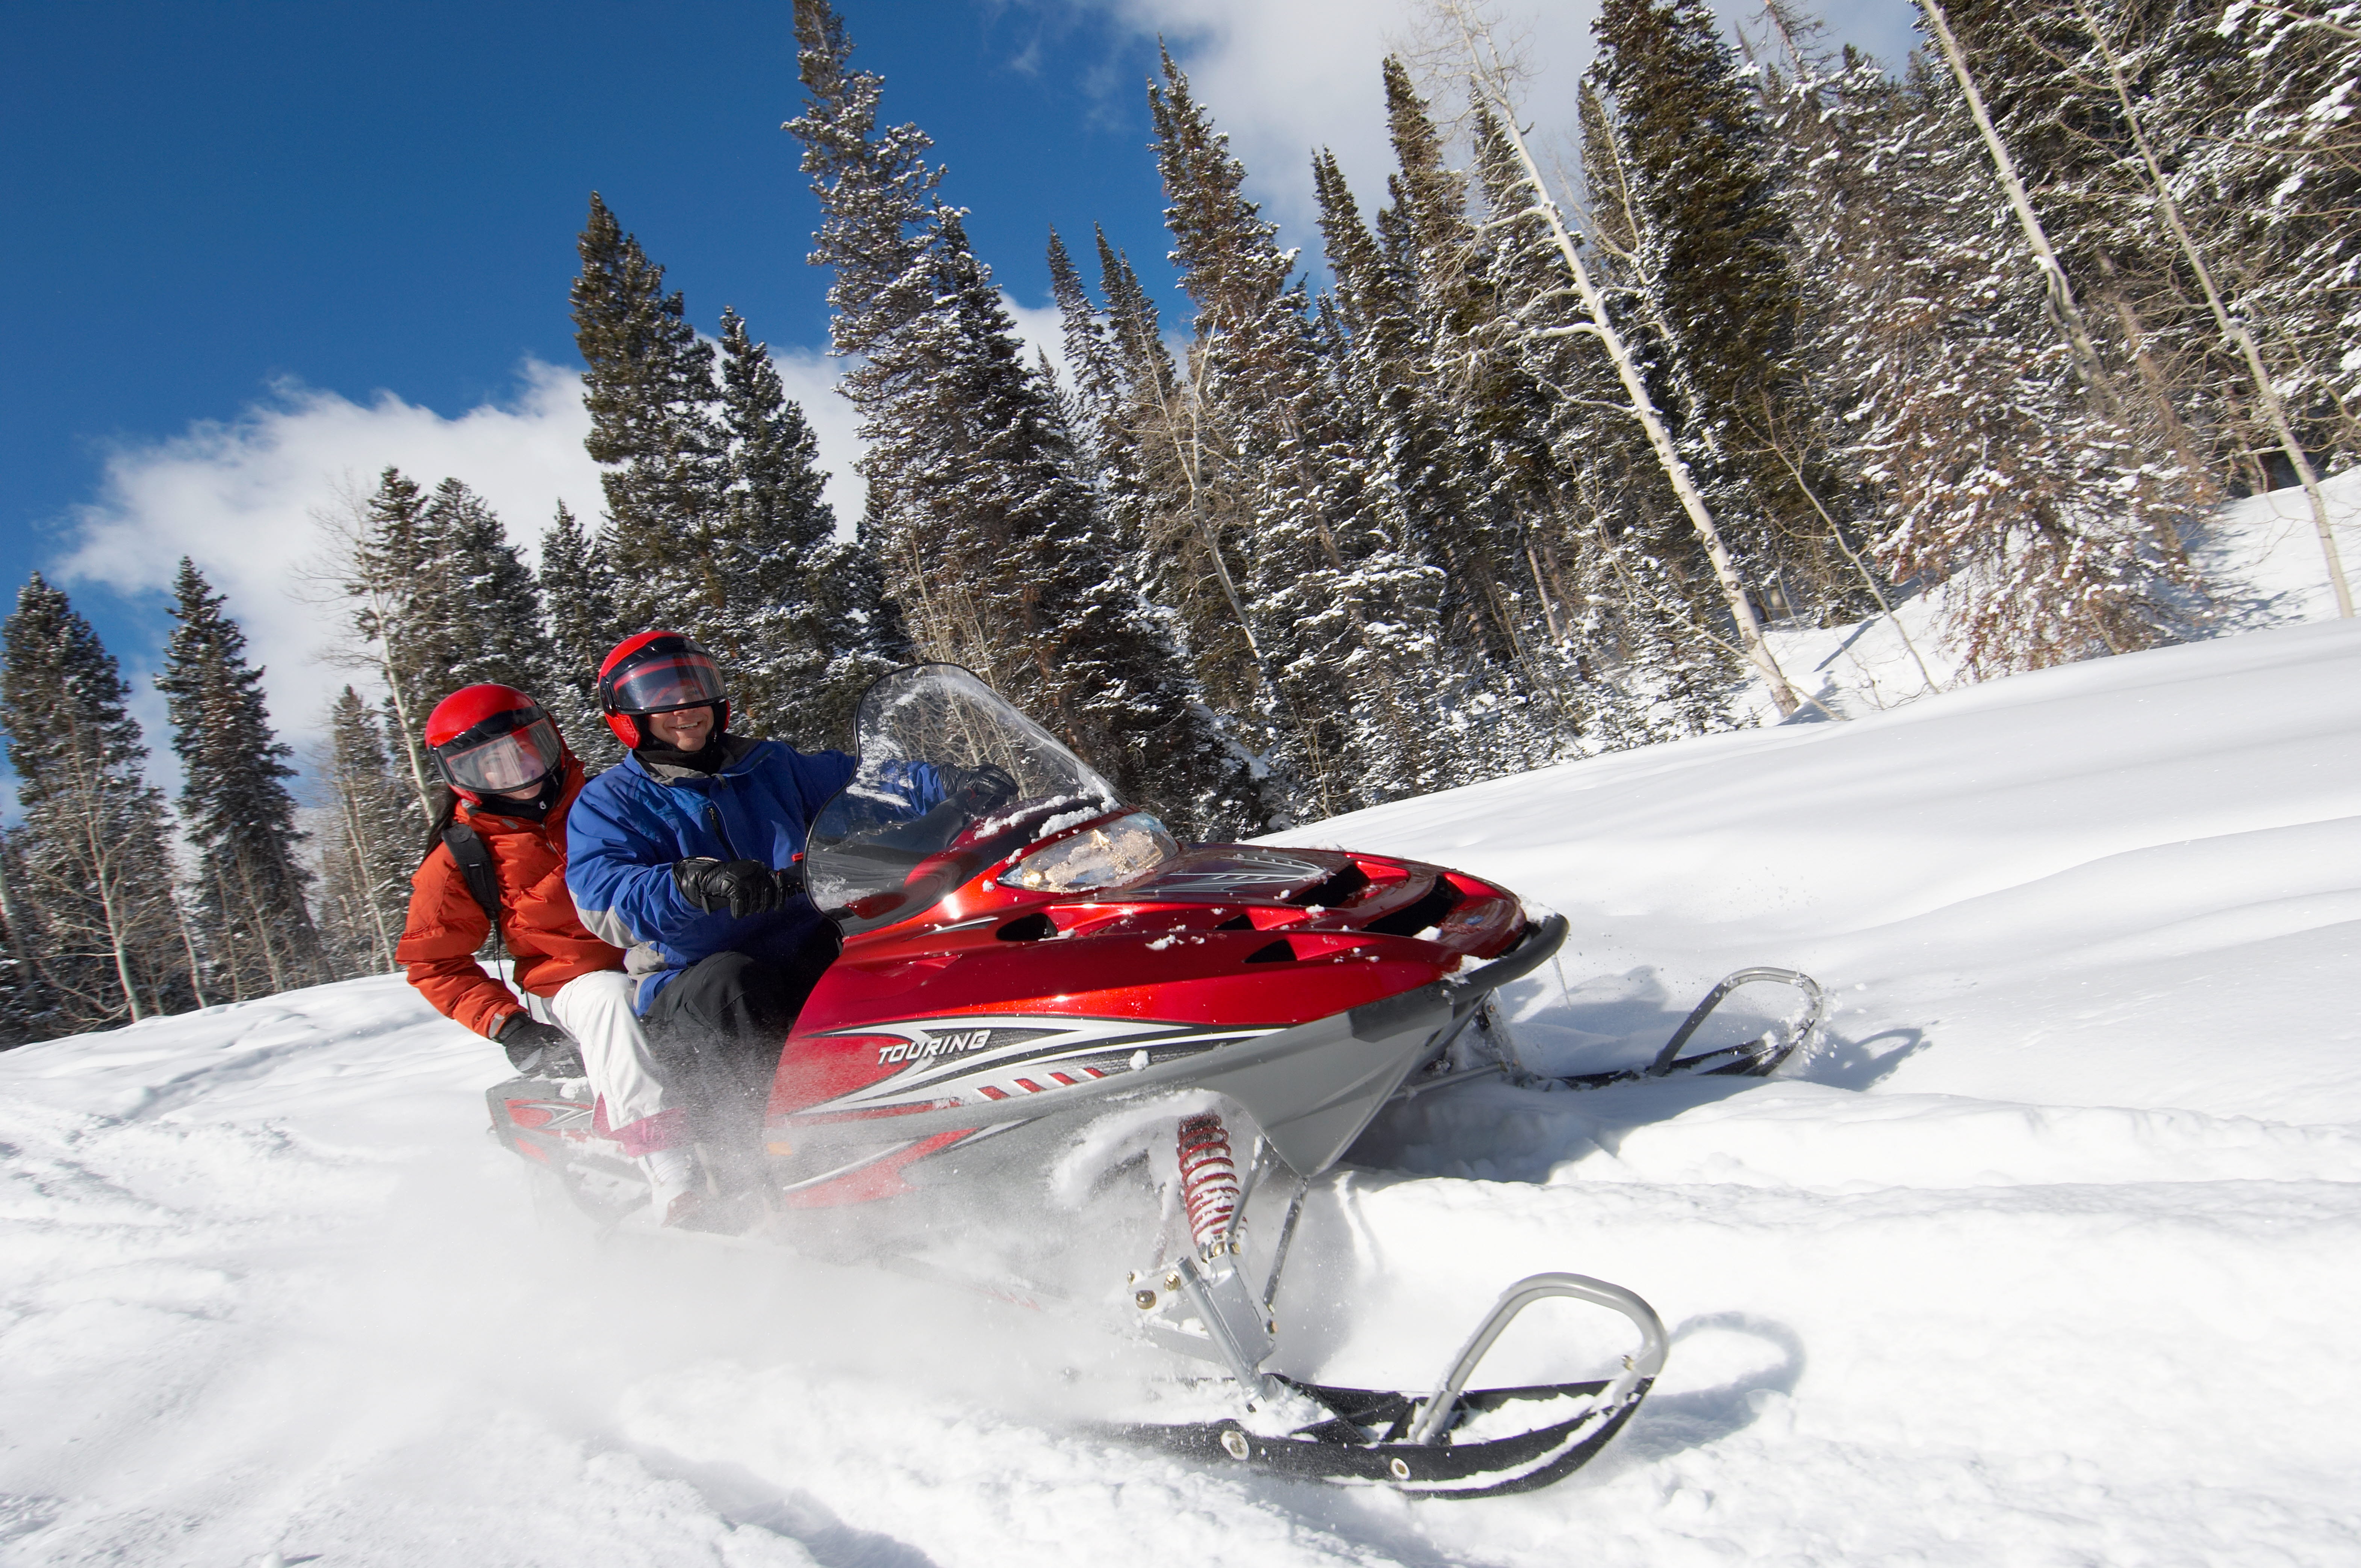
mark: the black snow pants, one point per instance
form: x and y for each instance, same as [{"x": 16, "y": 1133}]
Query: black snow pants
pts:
[{"x": 718, "y": 1030}]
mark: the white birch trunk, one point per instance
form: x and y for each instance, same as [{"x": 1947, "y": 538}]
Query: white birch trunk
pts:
[{"x": 2232, "y": 327}]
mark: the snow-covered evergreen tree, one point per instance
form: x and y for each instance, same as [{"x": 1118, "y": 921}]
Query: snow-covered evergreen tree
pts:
[
  {"x": 237, "y": 814},
  {"x": 1415, "y": 352},
  {"x": 796, "y": 611},
  {"x": 992, "y": 541},
  {"x": 1640, "y": 617},
  {"x": 648, "y": 384},
  {"x": 89, "y": 874},
  {"x": 28, "y": 1004},
  {"x": 1346, "y": 611},
  {"x": 2281, "y": 193},
  {"x": 438, "y": 599},
  {"x": 380, "y": 559},
  {"x": 479, "y": 609},
  {"x": 1999, "y": 473},
  {"x": 1168, "y": 495},
  {"x": 1681, "y": 172},
  {"x": 579, "y": 593}
]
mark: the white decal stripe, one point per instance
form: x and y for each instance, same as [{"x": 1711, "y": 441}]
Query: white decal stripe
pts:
[{"x": 1059, "y": 1045}]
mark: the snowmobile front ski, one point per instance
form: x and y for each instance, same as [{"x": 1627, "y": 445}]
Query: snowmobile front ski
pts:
[
  {"x": 1757, "y": 1058},
  {"x": 1450, "y": 1442}
]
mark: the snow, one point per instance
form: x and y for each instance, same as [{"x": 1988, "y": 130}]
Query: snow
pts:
[{"x": 2045, "y": 1256}]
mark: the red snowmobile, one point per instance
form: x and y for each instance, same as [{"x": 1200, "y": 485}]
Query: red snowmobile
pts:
[{"x": 1013, "y": 984}]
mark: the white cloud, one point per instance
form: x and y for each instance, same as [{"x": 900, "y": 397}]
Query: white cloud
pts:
[{"x": 237, "y": 497}]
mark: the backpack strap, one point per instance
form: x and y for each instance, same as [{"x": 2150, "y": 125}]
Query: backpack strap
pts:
[{"x": 466, "y": 846}]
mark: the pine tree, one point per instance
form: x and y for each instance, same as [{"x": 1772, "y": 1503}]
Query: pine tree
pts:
[
  {"x": 1410, "y": 352},
  {"x": 2276, "y": 200},
  {"x": 1167, "y": 496},
  {"x": 796, "y": 611},
  {"x": 440, "y": 599},
  {"x": 578, "y": 589},
  {"x": 235, "y": 811},
  {"x": 91, "y": 878},
  {"x": 990, "y": 537},
  {"x": 381, "y": 558},
  {"x": 480, "y": 605},
  {"x": 29, "y": 1006},
  {"x": 1638, "y": 615},
  {"x": 1347, "y": 612},
  {"x": 368, "y": 841},
  {"x": 1684, "y": 166},
  {"x": 1830, "y": 115},
  {"x": 648, "y": 384}
]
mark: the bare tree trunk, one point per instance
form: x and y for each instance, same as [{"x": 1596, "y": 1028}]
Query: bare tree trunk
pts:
[
  {"x": 1485, "y": 75},
  {"x": 189, "y": 946},
  {"x": 109, "y": 901},
  {"x": 2232, "y": 327},
  {"x": 364, "y": 878}
]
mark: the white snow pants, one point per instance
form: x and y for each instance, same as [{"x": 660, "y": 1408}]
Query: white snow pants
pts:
[{"x": 596, "y": 1009}]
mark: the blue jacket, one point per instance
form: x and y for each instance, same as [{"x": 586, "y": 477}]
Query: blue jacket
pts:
[{"x": 632, "y": 822}]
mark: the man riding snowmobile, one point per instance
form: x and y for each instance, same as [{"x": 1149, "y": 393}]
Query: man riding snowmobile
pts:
[
  {"x": 498, "y": 860},
  {"x": 688, "y": 856}
]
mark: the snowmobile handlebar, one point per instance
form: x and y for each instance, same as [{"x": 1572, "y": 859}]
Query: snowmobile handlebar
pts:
[{"x": 1436, "y": 1413}]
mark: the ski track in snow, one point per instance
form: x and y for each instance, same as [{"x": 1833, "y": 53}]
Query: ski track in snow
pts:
[{"x": 2046, "y": 1255}]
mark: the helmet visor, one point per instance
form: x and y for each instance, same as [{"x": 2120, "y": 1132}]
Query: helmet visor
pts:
[
  {"x": 514, "y": 761},
  {"x": 682, "y": 679}
]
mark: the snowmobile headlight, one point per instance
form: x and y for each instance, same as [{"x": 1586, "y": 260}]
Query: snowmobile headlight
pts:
[{"x": 1108, "y": 855}]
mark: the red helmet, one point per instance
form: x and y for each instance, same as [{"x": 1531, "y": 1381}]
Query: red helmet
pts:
[
  {"x": 492, "y": 739},
  {"x": 658, "y": 672}
]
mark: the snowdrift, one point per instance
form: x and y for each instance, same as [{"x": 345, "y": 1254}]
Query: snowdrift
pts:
[{"x": 2043, "y": 1256}]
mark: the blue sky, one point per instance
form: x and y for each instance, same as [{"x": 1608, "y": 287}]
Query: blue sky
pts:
[{"x": 251, "y": 248}]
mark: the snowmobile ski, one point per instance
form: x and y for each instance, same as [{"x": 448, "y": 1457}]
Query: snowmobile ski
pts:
[
  {"x": 1449, "y": 1442},
  {"x": 1757, "y": 1058}
]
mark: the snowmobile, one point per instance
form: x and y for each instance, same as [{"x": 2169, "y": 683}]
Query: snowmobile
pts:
[{"x": 1019, "y": 972}]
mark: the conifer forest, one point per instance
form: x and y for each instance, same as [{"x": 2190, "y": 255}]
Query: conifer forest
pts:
[{"x": 1519, "y": 468}]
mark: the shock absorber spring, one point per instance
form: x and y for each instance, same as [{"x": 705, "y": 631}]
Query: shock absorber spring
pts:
[{"x": 1209, "y": 1180}]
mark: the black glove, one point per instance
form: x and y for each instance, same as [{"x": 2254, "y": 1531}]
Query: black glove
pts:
[
  {"x": 740, "y": 888},
  {"x": 538, "y": 1049},
  {"x": 977, "y": 791}
]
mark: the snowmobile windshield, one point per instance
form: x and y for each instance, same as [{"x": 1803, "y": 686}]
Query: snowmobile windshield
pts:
[
  {"x": 684, "y": 679},
  {"x": 516, "y": 760},
  {"x": 951, "y": 780}
]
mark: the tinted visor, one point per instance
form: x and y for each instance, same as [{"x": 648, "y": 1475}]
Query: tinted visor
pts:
[
  {"x": 504, "y": 764},
  {"x": 682, "y": 679}
]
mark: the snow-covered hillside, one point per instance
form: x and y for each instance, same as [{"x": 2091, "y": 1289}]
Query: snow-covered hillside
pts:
[{"x": 2049, "y": 1255}]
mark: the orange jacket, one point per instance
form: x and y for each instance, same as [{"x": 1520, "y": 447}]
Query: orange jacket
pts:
[{"x": 446, "y": 925}]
